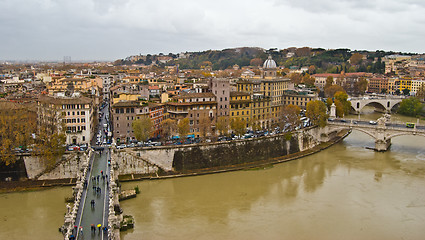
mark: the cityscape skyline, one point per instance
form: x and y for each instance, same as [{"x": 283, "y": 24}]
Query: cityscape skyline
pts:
[{"x": 108, "y": 30}]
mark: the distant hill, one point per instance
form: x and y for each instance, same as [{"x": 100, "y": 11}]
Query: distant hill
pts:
[{"x": 332, "y": 61}]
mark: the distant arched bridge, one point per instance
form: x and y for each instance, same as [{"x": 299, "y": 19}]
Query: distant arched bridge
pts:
[
  {"x": 385, "y": 104},
  {"x": 381, "y": 132}
]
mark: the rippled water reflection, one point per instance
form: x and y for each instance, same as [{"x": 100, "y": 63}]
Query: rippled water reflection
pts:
[{"x": 345, "y": 192}]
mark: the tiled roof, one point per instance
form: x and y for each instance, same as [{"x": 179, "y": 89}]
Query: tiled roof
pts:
[
  {"x": 194, "y": 95},
  {"x": 64, "y": 100},
  {"x": 234, "y": 94}
]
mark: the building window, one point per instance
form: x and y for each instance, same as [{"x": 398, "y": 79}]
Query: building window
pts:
[{"x": 83, "y": 113}]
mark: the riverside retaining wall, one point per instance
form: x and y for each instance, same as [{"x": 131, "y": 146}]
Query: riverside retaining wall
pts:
[{"x": 214, "y": 155}]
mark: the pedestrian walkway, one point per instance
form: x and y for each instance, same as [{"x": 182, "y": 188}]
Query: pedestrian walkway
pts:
[{"x": 92, "y": 215}]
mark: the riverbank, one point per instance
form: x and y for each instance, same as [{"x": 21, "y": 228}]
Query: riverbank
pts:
[
  {"x": 30, "y": 185},
  {"x": 245, "y": 166}
]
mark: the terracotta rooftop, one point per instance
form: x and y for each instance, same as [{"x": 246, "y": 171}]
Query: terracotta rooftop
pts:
[
  {"x": 64, "y": 100},
  {"x": 195, "y": 95}
]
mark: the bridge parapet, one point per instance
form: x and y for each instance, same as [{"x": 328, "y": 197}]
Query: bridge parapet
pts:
[
  {"x": 381, "y": 132},
  {"x": 71, "y": 215},
  {"x": 386, "y": 103}
]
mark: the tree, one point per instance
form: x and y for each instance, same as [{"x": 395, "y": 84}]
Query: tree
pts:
[
  {"x": 204, "y": 125},
  {"x": 329, "y": 103},
  {"x": 256, "y": 62},
  {"x": 406, "y": 92},
  {"x": 356, "y": 58},
  {"x": 339, "y": 108},
  {"x": 290, "y": 115},
  {"x": 168, "y": 127},
  {"x": 303, "y": 52},
  {"x": 342, "y": 97},
  {"x": 312, "y": 69},
  {"x": 360, "y": 86},
  {"x": 316, "y": 111},
  {"x": 295, "y": 78},
  {"x": 329, "y": 82},
  {"x": 183, "y": 127},
  {"x": 142, "y": 128},
  {"x": 222, "y": 125},
  {"x": 308, "y": 80},
  {"x": 238, "y": 125},
  {"x": 330, "y": 91},
  {"x": 420, "y": 94},
  {"x": 410, "y": 107},
  {"x": 397, "y": 92}
]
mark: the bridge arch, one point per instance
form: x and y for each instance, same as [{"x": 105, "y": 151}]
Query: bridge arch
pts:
[
  {"x": 394, "y": 106},
  {"x": 383, "y": 104},
  {"x": 405, "y": 134},
  {"x": 340, "y": 128}
]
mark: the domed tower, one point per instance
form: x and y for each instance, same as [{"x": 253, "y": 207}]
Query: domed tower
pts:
[{"x": 269, "y": 68}]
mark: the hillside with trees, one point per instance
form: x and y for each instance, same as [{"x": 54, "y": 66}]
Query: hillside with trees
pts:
[{"x": 317, "y": 60}]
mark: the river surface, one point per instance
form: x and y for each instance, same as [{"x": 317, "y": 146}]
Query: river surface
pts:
[{"x": 344, "y": 192}]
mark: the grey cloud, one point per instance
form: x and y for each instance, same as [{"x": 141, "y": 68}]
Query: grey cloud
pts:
[{"x": 109, "y": 29}]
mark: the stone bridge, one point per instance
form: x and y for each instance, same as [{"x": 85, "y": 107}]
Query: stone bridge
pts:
[
  {"x": 384, "y": 104},
  {"x": 382, "y": 132}
]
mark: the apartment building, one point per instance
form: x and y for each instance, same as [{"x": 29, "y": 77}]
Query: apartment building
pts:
[
  {"x": 75, "y": 113},
  {"x": 125, "y": 112},
  {"x": 299, "y": 99},
  {"x": 129, "y": 92},
  {"x": 220, "y": 87},
  {"x": 240, "y": 106},
  {"x": 195, "y": 107}
]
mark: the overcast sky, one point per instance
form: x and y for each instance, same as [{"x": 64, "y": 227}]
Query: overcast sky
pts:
[{"x": 112, "y": 29}]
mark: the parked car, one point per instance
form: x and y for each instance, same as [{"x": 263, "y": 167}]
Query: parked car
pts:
[{"x": 372, "y": 123}]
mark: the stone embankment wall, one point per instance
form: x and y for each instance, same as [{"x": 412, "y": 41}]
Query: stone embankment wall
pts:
[
  {"x": 214, "y": 155},
  {"x": 130, "y": 162},
  {"x": 65, "y": 167}
]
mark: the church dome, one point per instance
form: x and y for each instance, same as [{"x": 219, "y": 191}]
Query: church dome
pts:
[{"x": 269, "y": 63}]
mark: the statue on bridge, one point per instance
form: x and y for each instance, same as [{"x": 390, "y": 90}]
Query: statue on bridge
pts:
[{"x": 386, "y": 118}]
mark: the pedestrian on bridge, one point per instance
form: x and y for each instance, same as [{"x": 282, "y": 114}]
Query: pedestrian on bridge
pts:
[
  {"x": 92, "y": 203},
  {"x": 99, "y": 226},
  {"x": 81, "y": 230},
  {"x": 92, "y": 228}
]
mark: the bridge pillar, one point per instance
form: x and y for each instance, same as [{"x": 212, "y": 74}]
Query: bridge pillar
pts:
[{"x": 382, "y": 145}]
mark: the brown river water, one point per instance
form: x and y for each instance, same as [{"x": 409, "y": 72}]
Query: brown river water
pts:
[{"x": 344, "y": 192}]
